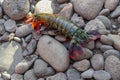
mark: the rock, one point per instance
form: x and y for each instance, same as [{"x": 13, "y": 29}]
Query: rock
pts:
[
  {"x": 118, "y": 21},
  {"x": 67, "y": 11},
  {"x": 44, "y": 6},
  {"x": 16, "y": 9},
  {"x": 82, "y": 65},
  {"x": 87, "y": 74},
  {"x": 90, "y": 45},
  {"x": 86, "y": 55},
  {"x": 104, "y": 48},
  {"x": 2, "y": 21},
  {"x": 88, "y": 9},
  {"x": 11, "y": 36},
  {"x": 115, "y": 13},
  {"x": 97, "y": 62},
  {"x": 41, "y": 79},
  {"x": 36, "y": 35},
  {"x": 105, "y": 21},
  {"x": 6, "y": 76},
  {"x": 77, "y": 20},
  {"x": 73, "y": 74},
  {"x": 24, "y": 44},
  {"x": 25, "y": 53},
  {"x": 10, "y": 52},
  {"x": 10, "y": 25},
  {"x": 62, "y": 1},
  {"x": 31, "y": 46},
  {"x": 32, "y": 8},
  {"x": 29, "y": 75},
  {"x": 60, "y": 38},
  {"x": 112, "y": 66},
  {"x": 1, "y": 12},
  {"x": 17, "y": 39},
  {"x": 28, "y": 38},
  {"x": 2, "y": 29},
  {"x": 111, "y": 4},
  {"x": 105, "y": 12},
  {"x": 41, "y": 68},
  {"x": 106, "y": 40},
  {"x": 16, "y": 77},
  {"x": 5, "y": 37},
  {"x": 58, "y": 55},
  {"x": 95, "y": 24},
  {"x": 25, "y": 64},
  {"x": 98, "y": 44},
  {"x": 1, "y": 79},
  {"x": 23, "y": 30},
  {"x": 116, "y": 39},
  {"x": 101, "y": 75},
  {"x": 111, "y": 52},
  {"x": 58, "y": 76},
  {"x": 6, "y": 17}
]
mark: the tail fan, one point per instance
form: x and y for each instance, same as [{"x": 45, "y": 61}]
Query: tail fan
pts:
[{"x": 75, "y": 51}]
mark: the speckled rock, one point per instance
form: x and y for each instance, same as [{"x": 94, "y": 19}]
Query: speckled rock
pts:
[
  {"x": 29, "y": 75},
  {"x": 90, "y": 45},
  {"x": 111, "y": 52},
  {"x": 56, "y": 54},
  {"x": 105, "y": 12},
  {"x": 87, "y": 74},
  {"x": 73, "y": 74},
  {"x": 106, "y": 40},
  {"x": 2, "y": 21},
  {"x": 67, "y": 11},
  {"x": 16, "y": 9},
  {"x": 28, "y": 38},
  {"x": 101, "y": 75},
  {"x": 4, "y": 37},
  {"x": 111, "y": 4},
  {"x": 112, "y": 66},
  {"x": 82, "y": 65},
  {"x": 116, "y": 12},
  {"x": 16, "y": 77},
  {"x": 77, "y": 20},
  {"x": 104, "y": 48},
  {"x": 105, "y": 21},
  {"x": 10, "y": 52},
  {"x": 10, "y": 25},
  {"x": 58, "y": 76},
  {"x": 116, "y": 39},
  {"x": 44, "y": 6},
  {"x": 31, "y": 46},
  {"x": 25, "y": 64},
  {"x": 89, "y": 9},
  {"x": 95, "y": 24},
  {"x": 23, "y": 30},
  {"x": 97, "y": 62},
  {"x": 41, "y": 69}
]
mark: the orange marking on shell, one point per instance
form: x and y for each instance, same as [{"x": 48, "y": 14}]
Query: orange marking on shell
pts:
[
  {"x": 37, "y": 24},
  {"x": 29, "y": 20}
]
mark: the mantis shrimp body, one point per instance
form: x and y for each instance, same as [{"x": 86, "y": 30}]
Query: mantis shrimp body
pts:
[{"x": 64, "y": 26}]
